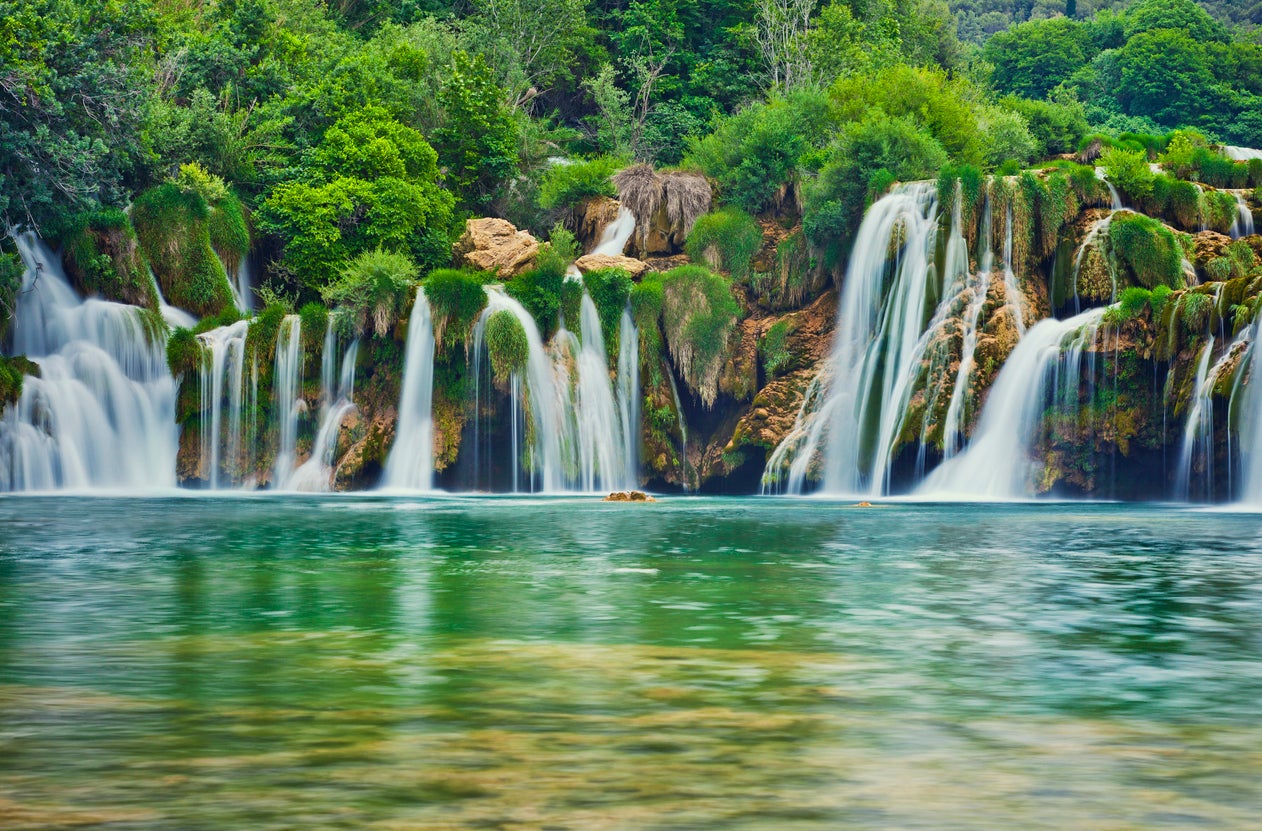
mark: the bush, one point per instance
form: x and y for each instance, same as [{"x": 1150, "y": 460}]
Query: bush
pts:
[
  {"x": 456, "y": 298},
  {"x": 1148, "y": 249},
  {"x": 315, "y": 323},
  {"x": 566, "y": 184},
  {"x": 1195, "y": 312},
  {"x": 172, "y": 228},
  {"x": 375, "y": 285},
  {"x": 647, "y": 299},
  {"x": 1057, "y": 127},
  {"x": 727, "y": 240},
  {"x": 193, "y": 178},
  {"x": 699, "y": 314},
  {"x": 506, "y": 344},
  {"x": 1220, "y": 210},
  {"x": 609, "y": 289},
  {"x": 1129, "y": 172},
  {"x": 184, "y": 353}
]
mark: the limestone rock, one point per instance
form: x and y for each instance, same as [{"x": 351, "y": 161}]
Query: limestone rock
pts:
[
  {"x": 629, "y": 496},
  {"x": 596, "y": 262},
  {"x": 490, "y": 244},
  {"x": 591, "y": 217},
  {"x": 1207, "y": 245}
]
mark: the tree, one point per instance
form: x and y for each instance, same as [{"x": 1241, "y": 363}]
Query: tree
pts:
[
  {"x": 1185, "y": 15},
  {"x": 780, "y": 28},
  {"x": 477, "y": 142},
  {"x": 532, "y": 43},
  {"x": 1165, "y": 75},
  {"x": 1031, "y": 59}
]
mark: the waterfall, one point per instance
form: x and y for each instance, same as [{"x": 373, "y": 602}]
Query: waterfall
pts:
[
  {"x": 316, "y": 474},
  {"x": 1198, "y": 430},
  {"x": 286, "y": 386},
  {"x": 242, "y": 286},
  {"x": 102, "y": 412},
  {"x": 1114, "y": 197},
  {"x": 1250, "y": 421},
  {"x": 579, "y": 434},
  {"x": 1011, "y": 283},
  {"x": 1045, "y": 368},
  {"x": 629, "y": 392},
  {"x": 225, "y": 366},
  {"x": 1241, "y": 154},
  {"x": 953, "y": 428},
  {"x": 1243, "y": 225},
  {"x": 411, "y": 461},
  {"x": 881, "y": 338},
  {"x": 613, "y": 240}
]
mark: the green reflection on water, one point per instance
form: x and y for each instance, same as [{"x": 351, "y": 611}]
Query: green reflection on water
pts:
[{"x": 561, "y": 663}]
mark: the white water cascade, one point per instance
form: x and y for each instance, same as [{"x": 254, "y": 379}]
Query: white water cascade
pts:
[
  {"x": 289, "y": 403},
  {"x": 222, "y": 372},
  {"x": 1198, "y": 430},
  {"x": 957, "y": 264},
  {"x": 410, "y": 465},
  {"x": 613, "y": 240},
  {"x": 881, "y": 337},
  {"x": 1243, "y": 225},
  {"x": 102, "y": 412},
  {"x": 1001, "y": 460},
  {"x": 1250, "y": 421},
  {"x": 629, "y": 392},
  {"x": 337, "y": 396}
]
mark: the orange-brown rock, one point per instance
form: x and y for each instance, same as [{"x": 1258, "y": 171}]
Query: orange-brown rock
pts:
[
  {"x": 590, "y": 219},
  {"x": 490, "y": 244},
  {"x": 596, "y": 262},
  {"x": 1207, "y": 245}
]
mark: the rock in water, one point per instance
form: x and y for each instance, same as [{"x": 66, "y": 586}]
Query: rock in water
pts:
[{"x": 629, "y": 496}]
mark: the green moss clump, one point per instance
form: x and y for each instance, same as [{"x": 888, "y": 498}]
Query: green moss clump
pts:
[
  {"x": 506, "y": 344},
  {"x": 646, "y": 303},
  {"x": 12, "y": 372},
  {"x": 456, "y": 299},
  {"x": 1147, "y": 249},
  {"x": 103, "y": 258},
  {"x": 609, "y": 289},
  {"x": 774, "y": 348},
  {"x": 184, "y": 353},
  {"x": 315, "y": 323},
  {"x": 1195, "y": 313},
  {"x": 539, "y": 289},
  {"x": 726, "y": 240},
  {"x": 172, "y": 228},
  {"x": 229, "y": 232},
  {"x": 1220, "y": 211},
  {"x": 699, "y": 314}
]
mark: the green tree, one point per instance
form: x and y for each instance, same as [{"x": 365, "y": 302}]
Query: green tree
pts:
[
  {"x": 1031, "y": 59},
  {"x": 1165, "y": 75},
  {"x": 477, "y": 143}
]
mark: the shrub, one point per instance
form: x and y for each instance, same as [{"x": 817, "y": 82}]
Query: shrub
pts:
[
  {"x": 1148, "y": 249},
  {"x": 1220, "y": 211},
  {"x": 1057, "y": 127},
  {"x": 375, "y": 285},
  {"x": 774, "y": 348},
  {"x": 456, "y": 298},
  {"x": 647, "y": 299},
  {"x": 568, "y": 183},
  {"x": 698, "y": 317},
  {"x": 506, "y": 344},
  {"x": 609, "y": 289},
  {"x": 228, "y": 316},
  {"x": 727, "y": 240},
  {"x": 315, "y": 323},
  {"x": 193, "y": 178},
  {"x": 1255, "y": 172},
  {"x": 184, "y": 353},
  {"x": 1128, "y": 170},
  {"x": 1195, "y": 312}
]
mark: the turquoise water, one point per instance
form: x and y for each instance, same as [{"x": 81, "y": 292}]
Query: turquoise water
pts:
[{"x": 497, "y": 663}]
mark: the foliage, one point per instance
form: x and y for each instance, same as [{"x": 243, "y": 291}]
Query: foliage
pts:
[
  {"x": 1147, "y": 249},
  {"x": 539, "y": 289},
  {"x": 1057, "y": 126},
  {"x": 193, "y": 178},
  {"x": 12, "y": 372},
  {"x": 102, "y": 257},
  {"x": 477, "y": 143},
  {"x": 375, "y": 286},
  {"x": 172, "y": 226},
  {"x": 1031, "y": 58},
  {"x": 456, "y": 298},
  {"x": 566, "y": 184},
  {"x": 774, "y": 348},
  {"x": 506, "y": 344},
  {"x": 184, "y": 353},
  {"x": 699, "y": 315},
  {"x": 727, "y": 240},
  {"x": 609, "y": 289},
  {"x": 1128, "y": 171}
]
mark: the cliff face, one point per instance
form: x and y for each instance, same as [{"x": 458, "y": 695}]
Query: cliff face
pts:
[{"x": 1166, "y": 366}]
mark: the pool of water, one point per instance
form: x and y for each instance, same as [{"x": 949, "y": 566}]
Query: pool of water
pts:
[{"x": 496, "y": 663}]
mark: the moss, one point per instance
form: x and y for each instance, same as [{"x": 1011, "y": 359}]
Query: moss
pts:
[
  {"x": 565, "y": 185},
  {"x": 315, "y": 323},
  {"x": 609, "y": 289},
  {"x": 725, "y": 240},
  {"x": 774, "y": 348},
  {"x": 646, "y": 303},
  {"x": 570, "y": 299},
  {"x": 1195, "y": 313},
  {"x": 1220, "y": 211},
  {"x": 228, "y": 230},
  {"x": 506, "y": 344},
  {"x": 699, "y": 314},
  {"x": 539, "y": 289},
  {"x": 172, "y": 228},
  {"x": 102, "y": 258},
  {"x": 1147, "y": 249},
  {"x": 1184, "y": 205},
  {"x": 12, "y": 372},
  {"x": 456, "y": 298},
  {"x": 185, "y": 353}
]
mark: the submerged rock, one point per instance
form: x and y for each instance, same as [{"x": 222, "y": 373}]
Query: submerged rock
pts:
[
  {"x": 628, "y": 496},
  {"x": 496, "y": 245}
]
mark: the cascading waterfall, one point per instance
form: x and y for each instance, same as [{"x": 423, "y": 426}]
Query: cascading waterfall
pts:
[
  {"x": 953, "y": 429},
  {"x": 316, "y": 474},
  {"x": 224, "y": 367},
  {"x": 613, "y": 240},
  {"x": 1045, "y": 369},
  {"x": 1198, "y": 430},
  {"x": 1251, "y": 423},
  {"x": 243, "y": 286},
  {"x": 411, "y": 462},
  {"x": 102, "y": 412},
  {"x": 1243, "y": 225},
  {"x": 881, "y": 338},
  {"x": 289, "y": 404},
  {"x": 564, "y": 403}
]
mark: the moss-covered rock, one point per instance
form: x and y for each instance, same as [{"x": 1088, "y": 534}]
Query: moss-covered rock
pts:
[
  {"x": 506, "y": 345},
  {"x": 103, "y": 258},
  {"x": 173, "y": 227},
  {"x": 1146, "y": 250},
  {"x": 12, "y": 371}
]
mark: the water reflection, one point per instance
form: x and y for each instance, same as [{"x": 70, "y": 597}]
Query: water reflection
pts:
[{"x": 535, "y": 663}]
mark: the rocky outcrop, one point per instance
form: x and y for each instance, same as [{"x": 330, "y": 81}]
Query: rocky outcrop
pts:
[
  {"x": 596, "y": 262},
  {"x": 666, "y": 205},
  {"x": 591, "y": 217},
  {"x": 490, "y": 244}
]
